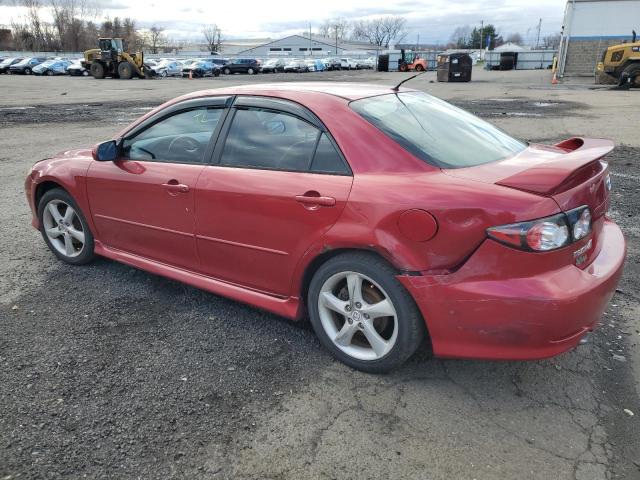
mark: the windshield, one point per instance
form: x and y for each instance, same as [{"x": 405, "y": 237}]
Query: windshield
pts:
[
  {"x": 7, "y": 61},
  {"x": 436, "y": 131},
  {"x": 24, "y": 61}
]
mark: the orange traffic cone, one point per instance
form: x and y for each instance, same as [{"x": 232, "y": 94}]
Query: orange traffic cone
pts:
[
  {"x": 554, "y": 80},
  {"x": 191, "y": 75}
]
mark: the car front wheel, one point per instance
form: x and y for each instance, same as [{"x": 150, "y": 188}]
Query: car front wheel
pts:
[
  {"x": 64, "y": 228},
  {"x": 362, "y": 314}
]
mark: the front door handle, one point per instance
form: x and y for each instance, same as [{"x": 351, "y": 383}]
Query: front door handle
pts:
[
  {"x": 313, "y": 198},
  {"x": 173, "y": 186}
]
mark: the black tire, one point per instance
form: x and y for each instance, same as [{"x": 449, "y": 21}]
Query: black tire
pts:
[
  {"x": 27, "y": 71},
  {"x": 216, "y": 73},
  {"x": 630, "y": 76},
  {"x": 411, "y": 326},
  {"x": 87, "y": 253},
  {"x": 227, "y": 71},
  {"x": 250, "y": 71},
  {"x": 97, "y": 70},
  {"x": 50, "y": 73},
  {"x": 419, "y": 68},
  {"x": 125, "y": 70}
]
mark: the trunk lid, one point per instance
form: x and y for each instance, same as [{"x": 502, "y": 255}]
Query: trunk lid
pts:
[{"x": 571, "y": 172}]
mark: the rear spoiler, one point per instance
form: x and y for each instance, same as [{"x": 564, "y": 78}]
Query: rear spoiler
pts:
[{"x": 578, "y": 164}]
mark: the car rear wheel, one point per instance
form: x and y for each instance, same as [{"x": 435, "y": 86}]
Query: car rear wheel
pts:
[
  {"x": 50, "y": 73},
  {"x": 362, "y": 314},
  {"x": 27, "y": 71},
  {"x": 163, "y": 74},
  {"x": 64, "y": 228}
]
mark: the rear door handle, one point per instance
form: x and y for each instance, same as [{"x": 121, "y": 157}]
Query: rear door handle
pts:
[
  {"x": 175, "y": 186},
  {"x": 310, "y": 199}
]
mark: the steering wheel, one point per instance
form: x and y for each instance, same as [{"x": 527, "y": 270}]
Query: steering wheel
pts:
[{"x": 185, "y": 145}]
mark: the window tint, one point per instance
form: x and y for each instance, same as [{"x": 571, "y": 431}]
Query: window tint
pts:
[
  {"x": 182, "y": 137},
  {"x": 436, "y": 131},
  {"x": 327, "y": 159},
  {"x": 269, "y": 140}
]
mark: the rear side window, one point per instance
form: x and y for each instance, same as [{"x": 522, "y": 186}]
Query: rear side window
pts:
[
  {"x": 327, "y": 159},
  {"x": 270, "y": 140},
  {"x": 436, "y": 131}
]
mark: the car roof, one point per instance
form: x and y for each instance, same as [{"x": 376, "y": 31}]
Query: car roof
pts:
[{"x": 348, "y": 91}]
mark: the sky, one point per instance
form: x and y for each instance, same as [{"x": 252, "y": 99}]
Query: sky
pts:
[{"x": 433, "y": 20}]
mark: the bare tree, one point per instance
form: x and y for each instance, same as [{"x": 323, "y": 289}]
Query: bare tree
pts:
[
  {"x": 460, "y": 37},
  {"x": 551, "y": 42},
  {"x": 213, "y": 37},
  {"x": 515, "y": 38},
  {"x": 381, "y": 31},
  {"x": 335, "y": 28},
  {"x": 154, "y": 38}
]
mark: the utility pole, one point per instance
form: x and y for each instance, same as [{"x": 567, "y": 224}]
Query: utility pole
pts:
[
  {"x": 538, "y": 39},
  {"x": 418, "y": 43},
  {"x": 310, "y": 42},
  {"x": 336, "y": 32},
  {"x": 481, "y": 33}
]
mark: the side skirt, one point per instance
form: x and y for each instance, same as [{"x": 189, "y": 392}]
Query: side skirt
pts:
[{"x": 287, "y": 307}]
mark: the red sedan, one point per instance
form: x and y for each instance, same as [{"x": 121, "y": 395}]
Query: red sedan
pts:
[{"x": 386, "y": 216}]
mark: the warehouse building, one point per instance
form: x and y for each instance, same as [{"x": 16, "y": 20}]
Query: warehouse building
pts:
[
  {"x": 589, "y": 27},
  {"x": 298, "y": 45}
]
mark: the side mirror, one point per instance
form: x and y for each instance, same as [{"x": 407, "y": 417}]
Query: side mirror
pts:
[{"x": 105, "y": 151}]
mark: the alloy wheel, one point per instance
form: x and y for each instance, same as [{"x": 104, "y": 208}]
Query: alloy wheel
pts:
[
  {"x": 358, "y": 316},
  {"x": 63, "y": 228}
]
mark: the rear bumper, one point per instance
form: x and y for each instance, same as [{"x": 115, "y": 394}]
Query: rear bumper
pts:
[{"x": 493, "y": 309}]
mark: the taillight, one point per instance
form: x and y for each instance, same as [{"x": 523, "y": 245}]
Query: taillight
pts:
[{"x": 545, "y": 234}]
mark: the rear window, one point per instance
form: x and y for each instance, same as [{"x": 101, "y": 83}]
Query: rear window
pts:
[{"x": 436, "y": 131}]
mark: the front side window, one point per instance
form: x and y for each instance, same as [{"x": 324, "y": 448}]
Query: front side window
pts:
[
  {"x": 181, "y": 138},
  {"x": 436, "y": 131},
  {"x": 270, "y": 140}
]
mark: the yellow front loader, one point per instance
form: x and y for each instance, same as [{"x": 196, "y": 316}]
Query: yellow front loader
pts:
[
  {"x": 621, "y": 63},
  {"x": 110, "y": 60}
]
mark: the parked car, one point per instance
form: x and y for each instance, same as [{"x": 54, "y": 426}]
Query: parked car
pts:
[
  {"x": 315, "y": 65},
  {"x": 365, "y": 63},
  {"x": 332, "y": 63},
  {"x": 25, "y": 66},
  {"x": 199, "y": 69},
  {"x": 52, "y": 67},
  {"x": 348, "y": 64},
  {"x": 273, "y": 65},
  {"x": 76, "y": 69},
  {"x": 242, "y": 65},
  {"x": 220, "y": 61},
  {"x": 389, "y": 216},
  {"x": 167, "y": 68},
  {"x": 297, "y": 66},
  {"x": 7, "y": 62}
]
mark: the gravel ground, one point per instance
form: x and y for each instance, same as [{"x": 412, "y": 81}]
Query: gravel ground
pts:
[{"x": 110, "y": 372}]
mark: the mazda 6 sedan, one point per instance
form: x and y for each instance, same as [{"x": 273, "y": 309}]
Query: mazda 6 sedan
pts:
[{"x": 387, "y": 216}]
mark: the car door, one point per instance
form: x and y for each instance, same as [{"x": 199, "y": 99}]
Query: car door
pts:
[
  {"x": 278, "y": 183},
  {"x": 143, "y": 203}
]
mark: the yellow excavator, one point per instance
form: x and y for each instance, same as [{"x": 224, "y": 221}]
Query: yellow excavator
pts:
[
  {"x": 621, "y": 63},
  {"x": 111, "y": 60}
]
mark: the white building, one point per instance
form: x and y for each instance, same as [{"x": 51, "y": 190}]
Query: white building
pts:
[
  {"x": 298, "y": 46},
  {"x": 590, "y": 26}
]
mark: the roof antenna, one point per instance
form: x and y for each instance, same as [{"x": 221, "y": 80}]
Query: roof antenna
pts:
[{"x": 397, "y": 87}]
